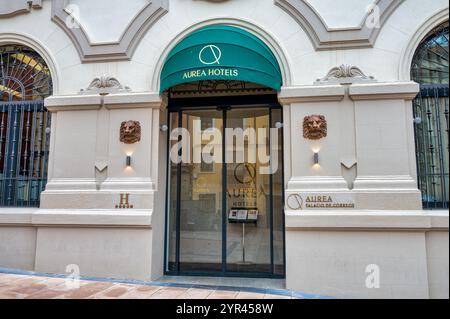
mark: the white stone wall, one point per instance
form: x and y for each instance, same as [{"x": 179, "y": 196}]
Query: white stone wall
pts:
[
  {"x": 104, "y": 252},
  {"x": 333, "y": 254},
  {"x": 304, "y": 64},
  {"x": 438, "y": 263},
  {"x": 336, "y": 266}
]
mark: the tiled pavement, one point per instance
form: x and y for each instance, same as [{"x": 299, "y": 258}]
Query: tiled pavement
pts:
[{"x": 20, "y": 286}]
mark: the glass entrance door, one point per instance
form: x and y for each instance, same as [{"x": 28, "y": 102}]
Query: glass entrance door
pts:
[{"x": 225, "y": 205}]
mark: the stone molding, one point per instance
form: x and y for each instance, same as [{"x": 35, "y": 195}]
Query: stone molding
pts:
[
  {"x": 357, "y": 220},
  {"x": 71, "y": 184},
  {"x": 9, "y": 8},
  {"x": 135, "y": 185},
  {"x": 111, "y": 51},
  {"x": 109, "y": 218},
  {"x": 385, "y": 183},
  {"x": 134, "y": 100},
  {"x": 89, "y": 185},
  {"x": 90, "y": 194},
  {"x": 326, "y": 38},
  {"x": 370, "y": 220},
  {"x": 384, "y": 91},
  {"x": 95, "y": 102},
  {"x": 357, "y": 92},
  {"x": 310, "y": 93},
  {"x": 317, "y": 183},
  {"x": 73, "y": 102},
  {"x": 75, "y": 218},
  {"x": 16, "y": 216},
  {"x": 104, "y": 91}
]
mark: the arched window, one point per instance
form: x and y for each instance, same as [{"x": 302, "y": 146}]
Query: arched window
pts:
[
  {"x": 25, "y": 81},
  {"x": 430, "y": 68}
]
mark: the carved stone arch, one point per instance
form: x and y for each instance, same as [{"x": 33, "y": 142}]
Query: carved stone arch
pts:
[
  {"x": 326, "y": 38},
  {"x": 111, "y": 51}
]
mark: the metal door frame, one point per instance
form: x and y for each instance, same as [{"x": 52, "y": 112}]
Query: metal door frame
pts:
[{"x": 223, "y": 104}]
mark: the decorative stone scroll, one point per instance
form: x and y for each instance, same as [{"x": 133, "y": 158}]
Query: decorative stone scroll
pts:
[
  {"x": 345, "y": 74},
  {"x": 105, "y": 85}
]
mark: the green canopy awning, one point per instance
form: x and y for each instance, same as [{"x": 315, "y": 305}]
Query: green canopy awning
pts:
[{"x": 221, "y": 52}]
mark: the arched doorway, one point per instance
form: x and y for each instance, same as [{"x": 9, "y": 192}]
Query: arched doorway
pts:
[
  {"x": 225, "y": 171},
  {"x": 25, "y": 81},
  {"x": 430, "y": 68}
]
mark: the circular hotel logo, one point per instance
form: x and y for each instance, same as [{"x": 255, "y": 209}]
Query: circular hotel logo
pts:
[
  {"x": 210, "y": 55},
  {"x": 245, "y": 173},
  {"x": 295, "y": 202}
]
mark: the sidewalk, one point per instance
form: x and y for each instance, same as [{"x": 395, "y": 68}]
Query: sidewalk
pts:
[{"x": 22, "y": 286}]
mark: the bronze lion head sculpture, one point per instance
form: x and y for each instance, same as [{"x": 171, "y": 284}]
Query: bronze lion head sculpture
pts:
[
  {"x": 314, "y": 127},
  {"x": 130, "y": 132}
]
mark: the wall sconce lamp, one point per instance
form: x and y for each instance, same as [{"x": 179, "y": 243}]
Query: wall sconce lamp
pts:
[
  {"x": 128, "y": 161},
  {"x": 164, "y": 128},
  {"x": 316, "y": 158}
]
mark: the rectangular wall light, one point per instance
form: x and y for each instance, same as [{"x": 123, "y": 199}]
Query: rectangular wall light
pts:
[{"x": 316, "y": 158}]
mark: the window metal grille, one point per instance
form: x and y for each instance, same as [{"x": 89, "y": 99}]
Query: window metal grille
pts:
[
  {"x": 24, "y": 126},
  {"x": 431, "y": 109}
]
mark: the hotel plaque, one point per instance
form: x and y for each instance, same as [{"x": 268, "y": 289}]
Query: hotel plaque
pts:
[{"x": 297, "y": 201}]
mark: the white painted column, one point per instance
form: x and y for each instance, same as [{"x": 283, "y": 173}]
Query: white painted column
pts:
[
  {"x": 88, "y": 168},
  {"x": 300, "y": 173},
  {"x": 385, "y": 145},
  {"x": 79, "y": 221}
]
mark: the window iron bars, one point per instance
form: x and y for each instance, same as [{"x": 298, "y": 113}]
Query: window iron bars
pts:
[
  {"x": 24, "y": 152},
  {"x": 24, "y": 126},
  {"x": 432, "y": 145}
]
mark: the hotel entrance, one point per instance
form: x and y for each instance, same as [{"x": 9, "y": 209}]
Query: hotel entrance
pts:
[
  {"x": 225, "y": 157},
  {"x": 225, "y": 193}
]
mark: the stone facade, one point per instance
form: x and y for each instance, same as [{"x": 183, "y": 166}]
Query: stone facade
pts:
[{"x": 367, "y": 158}]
